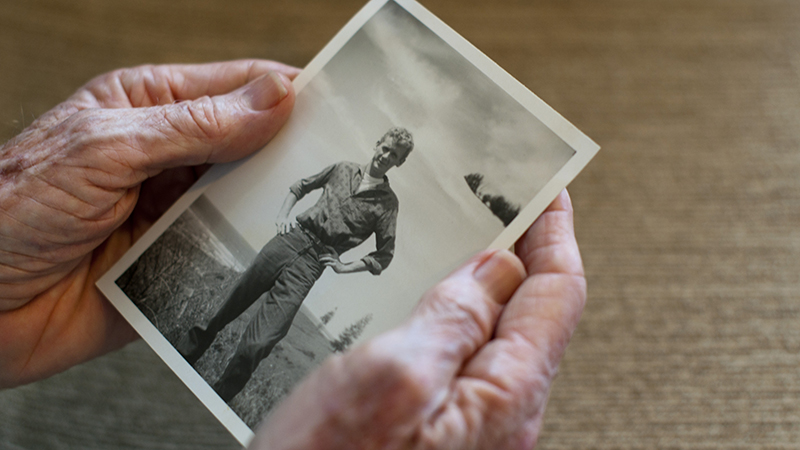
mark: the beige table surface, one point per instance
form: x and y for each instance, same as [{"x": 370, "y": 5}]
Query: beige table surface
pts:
[{"x": 687, "y": 219}]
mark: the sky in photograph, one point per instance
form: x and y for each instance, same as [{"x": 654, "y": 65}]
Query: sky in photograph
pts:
[{"x": 396, "y": 72}]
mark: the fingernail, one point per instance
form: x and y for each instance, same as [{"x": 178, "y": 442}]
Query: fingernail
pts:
[
  {"x": 267, "y": 91},
  {"x": 500, "y": 274}
]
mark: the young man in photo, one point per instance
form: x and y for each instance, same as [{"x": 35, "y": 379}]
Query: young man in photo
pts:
[{"x": 356, "y": 202}]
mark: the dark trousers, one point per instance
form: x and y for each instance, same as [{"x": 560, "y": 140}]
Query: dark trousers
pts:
[{"x": 286, "y": 269}]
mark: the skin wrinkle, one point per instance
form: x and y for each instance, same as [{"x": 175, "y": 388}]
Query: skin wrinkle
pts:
[
  {"x": 110, "y": 173},
  {"x": 448, "y": 414},
  {"x": 138, "y": 92},
  {"x": 98, "y": 190},
  {"x": 555, "y": 259},
  {"x": 112, "y": 321},
  {"x": 65, "y": 209},
  {"x": 160, "y": 86},
  {"x": 136, "y": 175},
  {"x": 175, "y": 84},
  {"x": 552, "y": 221},
  {"x": 489, "y": 384},
  {"x": 48, "y": 233},
  {"x": 100, "y": 215},
  {"x": 142, "y": 142},
  {"x": 36, "y": 344},
  {"x": 152, "y": 88},
  {"x": 556, "y": 234},
  {"x": 46, "y": 240},
  {"x": 457, "y": 349},
  {"x": 116, "y": 84},
  {"x": 447, "y": 295},
  {"x": 22, "y": 275},
  {"x": 10, "y": 305},
  {"x": 83, "y": 99},
  {"x": 45, "y": 280},
  {"x": 250, "y": 68},
  {"x": 548, "y": 367},
  {"x": 544, "y": 285},
  {"x": 26, "y": 225},
  {"x": 22, "y": 255},
  {"x": 47, "y": 327},
  {"x": 524, "y": 409},
  {"x": 205, "y": 118},
  {"x": 466, "y": 415},
  {"x": 479, "y": 398},
  {"x": 141, "y": 97},
  {"x": 62, "y": 136},
  {"x": 52, "y": 259},
  {"x": 39, "y": 249},
  {"x": 510, "y": 376}
]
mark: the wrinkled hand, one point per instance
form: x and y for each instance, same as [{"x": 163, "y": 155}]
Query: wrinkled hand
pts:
[
  {"x": 471, "y": 369},
  {"x": 69, "y": 186}
]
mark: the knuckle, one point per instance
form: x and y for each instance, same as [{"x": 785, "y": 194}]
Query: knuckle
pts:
[
  {"x": 145, "y": 85},
  {"x": 203, "y": 119},
  {"x": 455, "y": 304},
  {"x": 159, "y": 85}
]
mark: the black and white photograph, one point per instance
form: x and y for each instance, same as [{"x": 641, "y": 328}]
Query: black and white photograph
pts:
[{"x": 407, "y": 152}]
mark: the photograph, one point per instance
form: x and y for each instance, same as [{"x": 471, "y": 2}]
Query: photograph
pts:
[{"x": 408, "y": 151}]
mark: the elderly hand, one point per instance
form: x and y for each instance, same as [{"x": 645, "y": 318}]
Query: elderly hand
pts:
[
  {"x": 471, "y": 369},
  {"x": 69, "y": 186}
]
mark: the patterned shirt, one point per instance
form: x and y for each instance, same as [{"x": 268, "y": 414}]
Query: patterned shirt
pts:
[{"x": 343, "y": 219}]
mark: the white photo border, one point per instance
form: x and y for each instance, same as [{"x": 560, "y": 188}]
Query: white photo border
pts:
[{"x": 584, "y": 148}]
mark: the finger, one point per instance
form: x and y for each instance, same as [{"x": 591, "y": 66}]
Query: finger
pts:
[
  {"x": 134, "y": 144},
  {"x": 549, "y": 246},
  {"x": 164, "y": 84},
  {"x": 553, "y": 296},
  {"x": 534, "y": 328},
  {"x": 458, "y": 315}
]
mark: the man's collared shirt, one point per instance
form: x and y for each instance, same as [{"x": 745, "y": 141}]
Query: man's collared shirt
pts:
[{"x": 343, "y": 218}]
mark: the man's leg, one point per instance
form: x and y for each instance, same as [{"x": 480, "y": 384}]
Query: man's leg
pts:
[
  {"x": 270, "y": 324},
  {"x": 257, "y": 279}
]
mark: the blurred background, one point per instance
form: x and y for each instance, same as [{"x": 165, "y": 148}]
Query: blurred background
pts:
[{"x": 687, "y": 219}]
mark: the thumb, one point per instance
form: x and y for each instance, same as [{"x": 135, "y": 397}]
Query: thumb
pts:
[{"x": 214, "y": 129}]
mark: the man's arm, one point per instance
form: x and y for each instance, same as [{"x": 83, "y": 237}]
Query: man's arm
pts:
[
  {"x": 338, "y": 266},
  {"x": 376, "y": 261},
  {"x": 296, "y": 192},
  {"x": 385, "y": 236},
  {"x": 283, "y": 222}
]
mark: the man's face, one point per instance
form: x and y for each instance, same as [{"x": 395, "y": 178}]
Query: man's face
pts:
[{"x": 387, "y": 155}]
